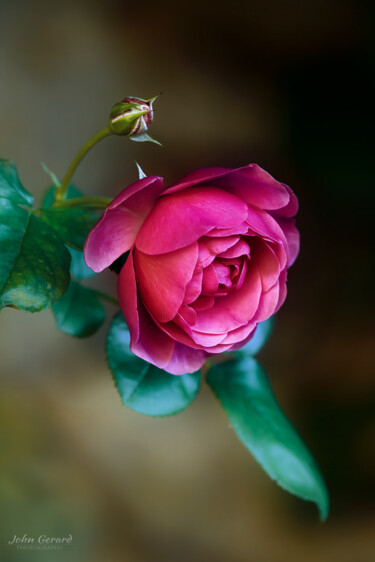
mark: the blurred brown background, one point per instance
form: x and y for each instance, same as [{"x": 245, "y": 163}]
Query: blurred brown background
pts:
[{"x": 286, "y": 84}]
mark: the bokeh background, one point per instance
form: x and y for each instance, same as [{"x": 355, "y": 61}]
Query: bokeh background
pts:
[{"x": 286, "y": 84}]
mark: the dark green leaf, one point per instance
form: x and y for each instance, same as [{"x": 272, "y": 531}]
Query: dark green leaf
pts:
[
  {"x": 78, "y": 268},
  {"x": 72, "y": 223},
  {"x": 34, "y": 269},
  {"x": 79, "y": 311},
  {"x": 262, "y": 334},
  {"x": 245, "y": 394},
  {"x": 143, "y": 387},
  {"x": 13, "y": 223},
  {"x": 10, "y": 185}
]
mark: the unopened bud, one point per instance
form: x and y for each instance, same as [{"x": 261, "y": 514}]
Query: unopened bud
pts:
[{"x": 132, "y": 117}]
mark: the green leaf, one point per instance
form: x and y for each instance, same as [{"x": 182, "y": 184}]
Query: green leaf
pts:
[
  {"x": 246, "y": 396},
  {"x": 10, "y": 185},
  {"x": 34, "y": 268},
  {"x": 261, "y": 336},
  {"x": 143, "y": 387},
  {"x": 78, "y": 268},
  {"x": 79, "y": 311},
  {"x": 72, "y": 223}
]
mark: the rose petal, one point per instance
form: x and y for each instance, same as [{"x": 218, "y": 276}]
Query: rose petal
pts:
[
  {"x": 205, "y": 256},
  {"x": 289, "y": 228},
  {"x": 145, "y": 185},
  {"x": 116, "y": 231},
  {"x": 162, "y": 279},
  {"x": 146, "y": 339},
  {"x": 202, "y": 176},
  {"x": 241, "y": 248},
  {"x": 111, "y": 237},
  {"x": 242, "y": 228},
  {"x": 290, "y": 210},
  {"x": 201, "y": 339},
  {"x": 202, "y": 303},
  {"x": 255, "y": 186},
  {"x": 267, "y": 303},
  {"x": 127, "y": 296},
  {"x": 153, "y": 344},
  {"x": 233, "y": 310},
  {"x": 193, "y": 288},
  {"x": 210, "y": 281},
  {"x": 219, "y": 245},
  {"x": 179, "y": 219},
  {"x": 185, "y": 360},
  {"x": 282, "y": 289},
  {"x": 267, "y": 263},
  {"x": 240, "y": 344},
  {"x": 242, "y": 276},
  {"x": 188, "y": 314},
  {"x": 239, "y": 334}
]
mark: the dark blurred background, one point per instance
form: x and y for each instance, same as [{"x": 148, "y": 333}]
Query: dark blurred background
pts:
[{"x": 286, "y": 84}]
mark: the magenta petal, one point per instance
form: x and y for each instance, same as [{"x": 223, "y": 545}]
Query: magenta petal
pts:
[
  {"x": 182, "y": 335},
  {"x": 241, "y": 248},
  {"x": 239, "y": 334},
  {"x": 267, "y": 263},
  {"x": 210, "y": 281},
  {"x": 268, "y": 303},
  {"x": 242, "y": 228},
  {"x": 292, "y": 235},
  {"x": 179, "y": 219},
  {"x": 264, "y": 224},
  {"x": 233, "y": 310},
  {"x": 144, "y": 200},
  {"x": 146, "y": 339},
  {"x": 153, "y": 344},
  {"x": 134, "y": 188},
  {"x": 205, "y": 256},
  {"x": 112, "y": 236},
  {"x": 251, "y": 183},
  {"x": 127, "y": 296},
  {"x": 202, "y": 303},
  {"x": 282, "y": 289},
  {"x": 200, "y": 338},
  {"x": 185, "y": 360},
  {"x": 290, "y": 210},
  {"x": 240, "y": 344},
  {"x": 196, "y": 177},
  {"x": 255, "y": 186},
  {"x": 162, "y": 279},
  {"x": 188, "y": 314},
  {"x": 193, "y": 288},
  {"x": 219, "y": 245}
]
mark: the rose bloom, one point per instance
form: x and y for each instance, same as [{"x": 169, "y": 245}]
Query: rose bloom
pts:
[{"x": 208, "y": 260}]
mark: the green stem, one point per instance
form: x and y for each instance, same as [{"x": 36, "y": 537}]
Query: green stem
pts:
[
  {"x": 83, "y": 202},
  {"x": 61, "y": 190}
]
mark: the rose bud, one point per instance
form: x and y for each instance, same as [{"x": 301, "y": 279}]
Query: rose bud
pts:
[
  {"x": 132, "y": 117},
  {"x": 208, "y": 260}
]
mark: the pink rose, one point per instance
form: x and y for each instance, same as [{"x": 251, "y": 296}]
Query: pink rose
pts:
[{"x": 208, "y": 260}]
